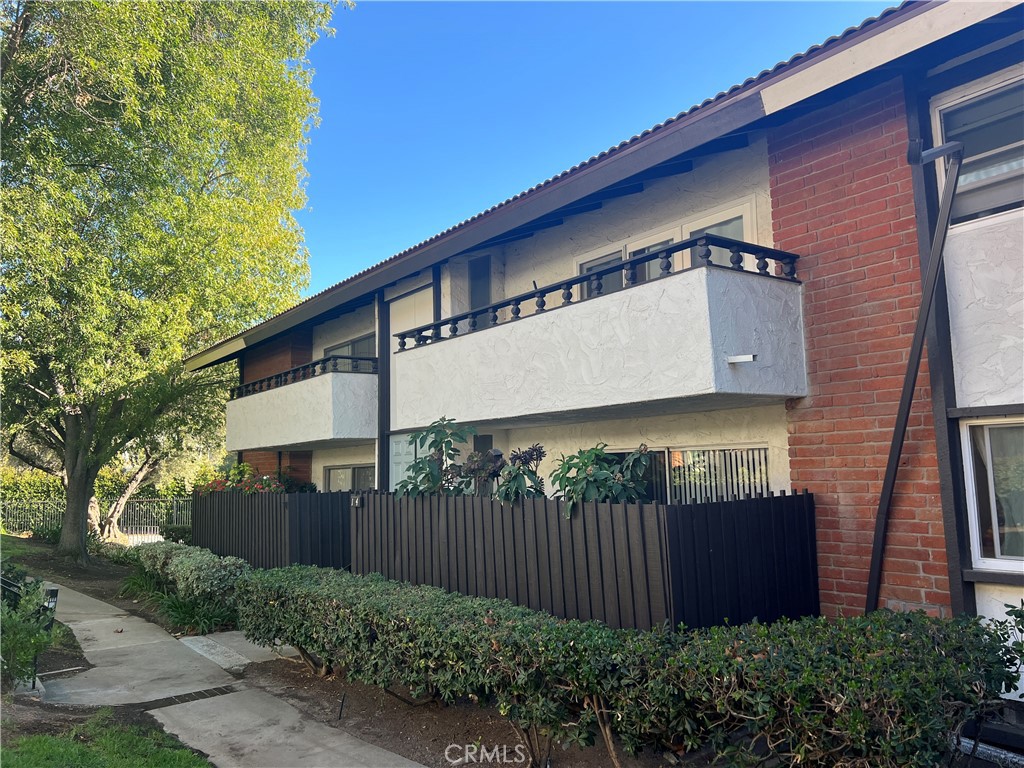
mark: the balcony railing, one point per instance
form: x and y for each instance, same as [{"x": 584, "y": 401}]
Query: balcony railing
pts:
[
  {"x": 329, "y": 364},
  {"x": 771, "y": 264}
]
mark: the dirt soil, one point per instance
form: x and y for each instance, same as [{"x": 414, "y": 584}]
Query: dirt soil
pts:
[{"x": 421, "y": 733}]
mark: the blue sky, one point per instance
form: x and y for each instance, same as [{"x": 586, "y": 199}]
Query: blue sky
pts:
[{"x": 434, "y": 111}]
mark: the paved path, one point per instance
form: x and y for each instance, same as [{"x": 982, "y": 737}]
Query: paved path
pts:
[{"x": 188, "y": 686}]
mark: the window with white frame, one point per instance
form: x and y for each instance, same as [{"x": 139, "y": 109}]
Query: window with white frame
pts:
[
  {"x": 994, "y": 477},
  {"x": 615, "y": 281},
  {"x": 735, "y": 222},
  {"x": 987, "y": 115}
]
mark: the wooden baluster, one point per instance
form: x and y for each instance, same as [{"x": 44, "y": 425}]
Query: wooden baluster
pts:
[
  {"x": 736, "y": 258},
  {"x": 334, "y": 364},
  {"x": 566, "y": 294},
  {"x": 762, "y": 264},
  {"x": 704, "y": 252},
  {"x": 401, "y": 341},
  {"x": 420, "y": 339},
  {"x": 789, "y": 269},
  {"x": 472, "y": 323},
  {"x": 323, "y": 366},
  {"x": 494, "y": 316},
  {"x": 665, "y": 264},
  {"x": 435, "y": 333},
  {"x": 541, "y": 303},
  {"x": 515, "y": 310},
  {"x": 629, "y": 274},
  {"x": 453, "y": 329},
  {"x": 596, "y": 285}
]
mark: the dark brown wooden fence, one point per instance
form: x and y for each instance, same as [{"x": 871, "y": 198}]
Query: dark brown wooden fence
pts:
[
  {"x": 625, "y": 565},
  {"x": 628, "y": 565},
  {"x": 272, "y": 530}
]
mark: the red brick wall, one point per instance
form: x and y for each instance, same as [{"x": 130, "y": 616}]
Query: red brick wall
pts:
[{"x": 842, "y": 200}]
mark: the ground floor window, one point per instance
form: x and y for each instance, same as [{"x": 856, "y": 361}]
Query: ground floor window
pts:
[
  {"x": 702, "y": 475},
  {"x": 350, "y": 478},
  {"x": 994, "y": 478}
]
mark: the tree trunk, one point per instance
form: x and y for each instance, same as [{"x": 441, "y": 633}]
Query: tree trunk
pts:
[
  {"x": 78, "y": 492},
  {"x": 79, "y": 487},
  {"x": 110, "y": 526}
]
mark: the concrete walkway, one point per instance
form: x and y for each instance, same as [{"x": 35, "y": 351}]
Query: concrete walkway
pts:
[{"x": 188, "y": 686}]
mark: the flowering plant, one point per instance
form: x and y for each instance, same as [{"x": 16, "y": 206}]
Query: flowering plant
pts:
[{"x": 243, "y": 478}]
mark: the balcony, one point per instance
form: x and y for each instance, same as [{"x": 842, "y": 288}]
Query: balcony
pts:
[
  {"x": 334, "y": 398},
  {"x": 704, "y": 337}
]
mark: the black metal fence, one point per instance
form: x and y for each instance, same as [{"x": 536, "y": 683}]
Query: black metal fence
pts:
[
  {"x": 139, "y": 516},
  {"x": 626, "y": 565},
  {"x": 272, "y": 530}
]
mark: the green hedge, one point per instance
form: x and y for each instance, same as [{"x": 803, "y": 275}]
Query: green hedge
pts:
[{"x": 883, "y": 690}]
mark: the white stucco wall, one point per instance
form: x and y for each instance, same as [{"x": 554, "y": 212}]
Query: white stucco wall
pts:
[
  {"x": 341, "y": 455},
  {"x": 714, "y": 183},
  {"x": 985, "y": 285},
  {"x": 331, "y": 406},
  {"x": 352, "y": 325},
  {"x": 733, "y": 428},
  {"x": 666, "y": 339},
  {"x": 991, "y": 600}
]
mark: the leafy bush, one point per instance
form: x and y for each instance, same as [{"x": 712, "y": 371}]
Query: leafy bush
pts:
[
  {"x": 883, "y": 690},
  {"x": 243, "y": 478},
  {"x": 436, "y": 470},
  {"x": 593, "y": 474},
  {"x": 191, "y": 586},
  {"x": 116, "y": 553},
  {"x": 518, "y": 479},
  {"x": 23, "y": 636},
  {"x": 198, "y": 616},
  {"x": 157, "y": 556},
  {"x": 200, "y": 575},
  {"x": 182, "y": 534},
  {"x": 29, "y": 484},
  {"x": 47, "y": 532}
]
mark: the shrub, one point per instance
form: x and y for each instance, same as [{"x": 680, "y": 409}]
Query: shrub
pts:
[
  {"x": 156, "y": 557},
  {"x": 518, "y": 479},
  {"x": 198, "y": 616},
  {"x": 47, "y": 532},
  {"x": 182, "y": 534},
  {"x": 117, "y": 553},
  {"x": 883, "y": 691},
  {"x": 436, "y": 470},
  {"x": 593, "y": 474},
  {"x": 198, "y": 574},
  {"x": 23, "y": 636}
]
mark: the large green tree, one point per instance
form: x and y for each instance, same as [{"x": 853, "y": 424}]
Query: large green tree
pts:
[{"x": 152, "y": 156}]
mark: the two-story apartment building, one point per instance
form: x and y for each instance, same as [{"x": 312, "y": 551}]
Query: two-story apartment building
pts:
[{"x": 737, "y": 288}]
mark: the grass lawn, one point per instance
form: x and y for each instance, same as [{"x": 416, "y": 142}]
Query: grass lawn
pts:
[
  {"x": 100, "y": 742},
  {"x": 14, "y": 547}
]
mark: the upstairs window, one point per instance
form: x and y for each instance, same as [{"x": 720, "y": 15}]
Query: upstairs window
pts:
[
  {"x": 988, "y": 118},
  {"x": 362, "y": 347}
]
